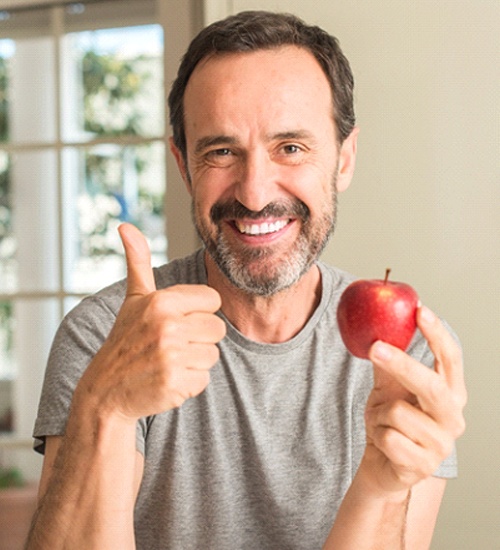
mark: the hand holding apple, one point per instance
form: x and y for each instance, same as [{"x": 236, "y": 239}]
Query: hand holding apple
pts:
[{"x": 371, "y": 310}]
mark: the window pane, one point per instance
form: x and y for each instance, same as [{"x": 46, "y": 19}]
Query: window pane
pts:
[
  {"x": 35, "y": 220},
  {"x": 7, "y": 239},
  {"x": 6, "y": 366},
  {"x": 6, "y": 52},
  {"x": 31, "y": 91},
  {"x": 106, "y": 185},
  {"x": 113, "y": 83},
  {"x": 35, "y": 325}
]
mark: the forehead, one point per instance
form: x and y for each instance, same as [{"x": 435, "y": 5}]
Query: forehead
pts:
[{"x": 270, "y": 82}]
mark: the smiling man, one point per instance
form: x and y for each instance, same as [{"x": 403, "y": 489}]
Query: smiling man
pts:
[{"x": 210, "y": 403}]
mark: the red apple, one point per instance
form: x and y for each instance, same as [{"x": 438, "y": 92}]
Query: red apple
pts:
[{"x": 371, "y": 310}]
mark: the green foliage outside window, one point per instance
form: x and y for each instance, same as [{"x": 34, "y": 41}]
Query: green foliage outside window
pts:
[{"x": 115, "y": 92}]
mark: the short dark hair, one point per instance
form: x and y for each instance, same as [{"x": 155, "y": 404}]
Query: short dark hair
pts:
[{"x": 260, "y": 30}]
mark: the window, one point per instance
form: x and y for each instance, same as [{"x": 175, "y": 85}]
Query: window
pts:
[{"x": 82, "y": 148}]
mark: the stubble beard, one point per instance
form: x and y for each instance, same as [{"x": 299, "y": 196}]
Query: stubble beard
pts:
[{"x": 263, "y": 271}]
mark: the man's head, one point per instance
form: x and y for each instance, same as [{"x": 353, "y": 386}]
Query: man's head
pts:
[
  {"x": 264, "y": 138},
  {"x": 260, "y": 30}
]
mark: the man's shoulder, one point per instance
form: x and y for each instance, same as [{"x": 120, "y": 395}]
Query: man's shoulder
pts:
[
  {"x": 187, "y": 270},
  {"x": 338, "y": 278}
]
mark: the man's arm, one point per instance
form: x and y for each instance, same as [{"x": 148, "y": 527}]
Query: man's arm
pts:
[
  {"x": 157, "y": 355},
  {"x": 404, "y": 521},
  {"x": 413, "y": 417},
  {"x": 83, "y": 506}
]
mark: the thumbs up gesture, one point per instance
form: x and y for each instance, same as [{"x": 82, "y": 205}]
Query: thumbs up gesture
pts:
[{"x": 163, "y": 343}]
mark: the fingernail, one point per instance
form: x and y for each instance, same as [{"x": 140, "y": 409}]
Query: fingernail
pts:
[
  {"x": 427, "y": 315},
  {"x": 382, "y": 351}
]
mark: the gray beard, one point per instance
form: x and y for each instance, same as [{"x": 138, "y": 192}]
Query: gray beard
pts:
[{"x": 267, "y": 282}]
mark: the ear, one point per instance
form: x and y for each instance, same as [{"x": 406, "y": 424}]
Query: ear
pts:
[
  {"x": 181, "y": 165},
  {"x": 347, "y": 160}
]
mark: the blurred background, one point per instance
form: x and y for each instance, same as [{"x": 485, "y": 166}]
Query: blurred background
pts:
[{"x": 84, "y": 146}]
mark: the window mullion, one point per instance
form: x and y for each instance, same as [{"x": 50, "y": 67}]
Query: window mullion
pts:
[{"x": 57, "y": 16}]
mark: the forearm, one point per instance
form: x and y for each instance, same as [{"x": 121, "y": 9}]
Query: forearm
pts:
[
  {"x": 89, "y": 499},
  {"x": 370, "y": 521}
]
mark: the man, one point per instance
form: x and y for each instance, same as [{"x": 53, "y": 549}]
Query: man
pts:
[{"x": 211, "y": 403}]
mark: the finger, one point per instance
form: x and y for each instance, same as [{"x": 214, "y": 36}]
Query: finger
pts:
[
  {"x": 386, "y": 387},
  {"x": 430, "y": 388},
  {"x": 446, "y": 350},
  {"x": 201, "y": 356},
  {"x": 412, "y": 423},
  {"x": 205, "y": 328},
  {"x": 187, "y": 299},
  {"x": 140, "y": 278},
  {"x": 410, "y": 461}
]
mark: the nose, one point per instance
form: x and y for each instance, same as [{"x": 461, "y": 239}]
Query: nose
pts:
[{"x": 256, "y": 184}]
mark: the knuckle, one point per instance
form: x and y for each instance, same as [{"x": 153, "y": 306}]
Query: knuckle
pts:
[
  {"x": 437, "y": 388},
  {"x": 202, "y": 381},
  {"x": 462, "y": 398},
  {"x": 155, "y": 303},
  {"x": 212, "y": 354},
  {"x": 386, "y": 439},
  {"x": 444, "y": 447},
  {"x": 171, "y": 356},
  {"x": 170, "y": 330},
  {"x": 220, "y": 327},
  {"x": 459, "y": 427},
  {"x": 176, "y": 399},
  {"x": 397, "y": 413},
  {"x": 456, "y": 354}
]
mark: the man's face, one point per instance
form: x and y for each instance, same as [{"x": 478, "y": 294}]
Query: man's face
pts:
[{"x": 263, "y": 164}]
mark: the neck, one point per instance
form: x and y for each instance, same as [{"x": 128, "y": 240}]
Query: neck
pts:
[{"x": 271, "y": 319}]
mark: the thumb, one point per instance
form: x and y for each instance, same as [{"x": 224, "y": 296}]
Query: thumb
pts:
[
  {"x": 140, "y": 278},
  {"x": 384, "y": 382}
]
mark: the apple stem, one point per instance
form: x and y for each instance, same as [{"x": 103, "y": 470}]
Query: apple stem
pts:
[{"x": 387, "y": 271}]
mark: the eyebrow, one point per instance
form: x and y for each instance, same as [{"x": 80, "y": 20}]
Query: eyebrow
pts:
[{"x": 292, "y": 134}]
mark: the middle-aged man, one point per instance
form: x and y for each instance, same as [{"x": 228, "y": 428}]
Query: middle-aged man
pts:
[{"x": 210, "y": 403}]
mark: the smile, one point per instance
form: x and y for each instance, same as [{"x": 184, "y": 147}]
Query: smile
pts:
[{"x": 260, "y": 228}]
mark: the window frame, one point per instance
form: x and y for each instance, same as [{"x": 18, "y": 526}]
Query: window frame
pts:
[{"x": 182, "y": 237}]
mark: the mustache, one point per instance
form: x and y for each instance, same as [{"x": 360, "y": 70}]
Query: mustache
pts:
[{"x": 235, "y": 210}]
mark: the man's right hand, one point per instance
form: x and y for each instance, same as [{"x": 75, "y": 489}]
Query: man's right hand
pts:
[{"x": 162, "y": 345}]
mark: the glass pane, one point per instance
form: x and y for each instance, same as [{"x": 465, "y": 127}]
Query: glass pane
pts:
[
  {"x": 6, "y": 366},
  {"x": 7, "y": 239},
  {"x": 7, "y": 49},
  {"x": 31, "y": 91},
  {"x": 106, "y": 185},
  {"x": 35, "y": 220},
  {"x": 113, "y": 83},
  {"x": 35, "y": 324}
]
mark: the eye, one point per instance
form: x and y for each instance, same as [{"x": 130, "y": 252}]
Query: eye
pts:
[
  {"x": 223, "y": 156},
  {"x": 221, "y": 152},
  {"x": 291, "y": 149},
  {"x": 290, "y": 153}
]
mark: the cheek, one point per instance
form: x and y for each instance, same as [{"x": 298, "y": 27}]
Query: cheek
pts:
[
  {"x": 315, "y": 187},
  {"x": 209, "y": 188}
]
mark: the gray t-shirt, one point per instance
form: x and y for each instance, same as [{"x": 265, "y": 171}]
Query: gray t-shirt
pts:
[{"x": 263, "y": 457}]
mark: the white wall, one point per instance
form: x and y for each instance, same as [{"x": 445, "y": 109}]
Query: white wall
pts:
[{"x": 426, "y": 195}]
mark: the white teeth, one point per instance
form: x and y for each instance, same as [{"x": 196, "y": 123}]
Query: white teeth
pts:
[{"x": 262, "y": 228}]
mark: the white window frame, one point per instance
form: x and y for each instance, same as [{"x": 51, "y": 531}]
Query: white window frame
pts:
[{"x": 181, "y": 235}]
